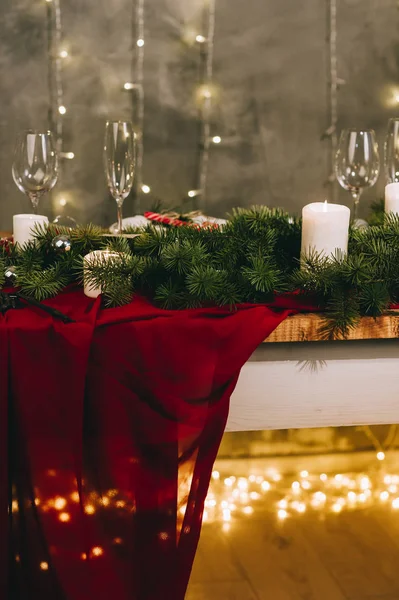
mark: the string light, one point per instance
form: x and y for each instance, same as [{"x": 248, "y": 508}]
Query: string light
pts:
[
  {"x": 216, "y": 139},
  {"x": 62, "y": 109},
  {"x": 67, "y": 155},
  {"x": 145, "y": 189},
  {"x": 136, "y": 85},
  {"x": 44, "y": 565},
  {"x": 380, "y": 455},
  {"x": 206, "y": 43},
  {"x": 331, "y": 132},
  {"x": 64, "y": 54},
  {"x": 193, "y": 193}
]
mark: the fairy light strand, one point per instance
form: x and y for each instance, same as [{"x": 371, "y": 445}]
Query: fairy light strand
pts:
[
  {"x": 331, "y": 132},
  {"x": 207, "y": 51},
  {"x": 138, "y": 96},
  {"x": 56, "y": 55}
]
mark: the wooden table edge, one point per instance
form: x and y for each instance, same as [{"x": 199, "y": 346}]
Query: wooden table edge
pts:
[{"x": 306, "y": 328}]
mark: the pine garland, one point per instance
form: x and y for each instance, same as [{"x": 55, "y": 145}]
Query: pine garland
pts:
[{"x": 251, "y": 259}]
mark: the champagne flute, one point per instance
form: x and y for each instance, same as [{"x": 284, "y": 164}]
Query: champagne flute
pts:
[
  {"x": 35, "y": 166},
  {"x": 392, "y": 151},
  {"x": 357, "y": 163},
  {"x": 119, "y": 162}
]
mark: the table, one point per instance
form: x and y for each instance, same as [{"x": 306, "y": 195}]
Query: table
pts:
[{"x": 319, "y": 384}]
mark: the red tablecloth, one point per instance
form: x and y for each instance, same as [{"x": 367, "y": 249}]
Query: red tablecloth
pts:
[{"x": 110, "y": 425}]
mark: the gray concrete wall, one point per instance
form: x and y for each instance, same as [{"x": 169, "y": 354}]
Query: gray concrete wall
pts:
[{"x": 271, "y": 66}]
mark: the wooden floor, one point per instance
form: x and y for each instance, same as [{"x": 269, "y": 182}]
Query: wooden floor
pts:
[{"x": 353, "y": 555}]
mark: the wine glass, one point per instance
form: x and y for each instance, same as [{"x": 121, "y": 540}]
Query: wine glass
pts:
[
  {"x": 119, "y": 161},
  {"x": 357, "y": 163},
  {"x": 392, "y": 151},
  {"x": 35, "y": 166}
]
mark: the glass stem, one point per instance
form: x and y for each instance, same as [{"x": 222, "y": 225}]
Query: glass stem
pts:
[
  {"x": 119, "y": 204},
  {"x": 356, "y": 198},
  {"x": 34, "y": 198}
]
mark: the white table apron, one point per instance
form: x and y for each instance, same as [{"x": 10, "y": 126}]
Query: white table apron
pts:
[{"x": 317, "y": 384}]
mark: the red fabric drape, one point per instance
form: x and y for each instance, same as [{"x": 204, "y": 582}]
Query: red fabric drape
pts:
[{"x": 111, "y": 426}]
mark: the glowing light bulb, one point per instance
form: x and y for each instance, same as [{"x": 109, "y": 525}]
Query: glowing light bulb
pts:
[
  {"x": 205, "y": 515},
  {"x": 306, "y": 485},
  {"x": 365, "y": 483},
  {"x": 323, "y": 477},
  {"x": 301, "y": 507},
  {"x": 216, "y": 139},
  {"x": 304, "y": 474},
  {"x": 320, "y": 497},
  {"x": 296, "y": 487},
  {"x": 89, "y": 509},
  {"x": 392, "y": 489},
  {"x": 282, "y": 514},
  {"x": 64, "y": 517},
  {"x": 97, "y": 551},
  {"x": 62, "y": 110},
  {"x": 226, "y": 515},
  {"x": 226, "y": 527},
  {"x": 351, "y": 497},
  {"x": 68, "y": 155},
  {"x": 282, "y": 504},
  {"x": 336, "y": 508},
  {"x": 146, "y": 189},
  {"x": 62, "y": 202},
  {"x": 384, "y": 496},
  {"x": 59, "y": 503},
  {"x": 380, "y": 455},
  {"x": 129, "y": 86},
  {"x": 362, "y": 498},
  {"x": 242, "y": 484},
  {"x": 140, "y": 43},
  {"x": 44, "y": 565},
  {"x": 254, "y": 496},
  {"x": 193, "y": 193},
  {"x": 395, "y": 503},
  {"x": 215, "y": 475},
  {"x": 75, "y": 496},
  {"x": 64, "y": 54},
  {"x": 248, "y": 510},
  {"x": 265, "y": 485},
  {"x": 252, "y": 478},
  {"x": 228, "y": 482},
  {"x": 200, "y": 39}
]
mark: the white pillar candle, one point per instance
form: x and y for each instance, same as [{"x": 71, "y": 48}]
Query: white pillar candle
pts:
[
  {"x": 98, "y": 256},
  {"x": 392, "y": 198},
  {"x": 325, "y": 228},
  {"x": 23, "y": 226}
]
